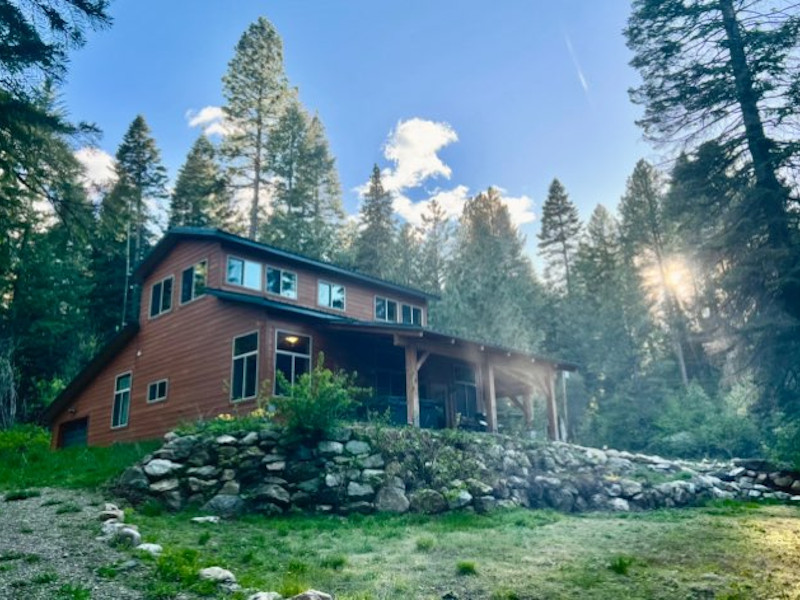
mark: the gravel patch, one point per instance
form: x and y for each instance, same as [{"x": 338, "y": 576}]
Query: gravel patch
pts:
[{"x": 48, "y": 549}]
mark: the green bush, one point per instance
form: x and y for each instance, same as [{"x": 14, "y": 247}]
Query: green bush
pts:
[
  {"x": 23, "y": 440},
  {"x": 317, "y": 402}
]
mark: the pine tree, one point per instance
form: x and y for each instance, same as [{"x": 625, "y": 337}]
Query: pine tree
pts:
[
  {"x": 437, "y": 231},
  {"x": 407, "y": 257},
  {"x": 558, "y": 237},
  {"x": 306, "y": 205},
  {"x": 126, "y": 225},
  {"x": 375, "y": 243},
  {"x": 255, "y": 91},
  {"x": 490, "y": 291},
  {"x": 201, "y": 197}
]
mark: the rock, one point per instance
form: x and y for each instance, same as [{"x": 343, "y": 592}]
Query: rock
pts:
[
  {"x": 795, "y": 487},
  {"x": 224, "y": 505},
  {"x": 312, "y": 595},
  {"x": 784, "y": 481},
  {"x": 127, "y": 536},
  {"x": 272, "y": 493},
  {"x": 460, "y": 499},
  {"x": 629, "y": 488},
  {"x": 164, "y": 485},
  {"x": 151, "y": 549},
  {"x": 478, "y": 488},
  {"x": 201, "y": 485},
  {"x": 391, "y": 499},
  {"x": 134, "y": 478},
  {"x": 596, "y": 457},
  {"x": 428, "y": 502},
  {"x": 372, "y": 476},
  {"x": 230, "y": 488},
  {"x": 159, "y": 467},
  {"x": 226, "y": 440},
  {"x": 357, "y": 447},
  {"x": 170, "y": 436},
  {"x": 619, "y": 504},
  {"x": 109, "y": 528},
  {"x": 371, "y": 462},
  {"x": 330, "y": 448},
  {"x": 333, "y": 480},
  {"x": 359, "y": 490},
  {"x": 204, "y": 472},
  {"x": 485, "y": 504},
  {"x": 310, "y": 486},
  {"x": 265, "y": 596},
  {"x": 250, "y": 439},
  {"x": 111, "y": 512},
  {"x": 213, "y": 519},
  {"x": 217, "y": 574}
]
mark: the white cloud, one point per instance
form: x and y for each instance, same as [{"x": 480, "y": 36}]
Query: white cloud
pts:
[
  {"x": 412, "y": 147},
  {"x": 211, "y": 119},
  {"x": 99, "y": 168}
]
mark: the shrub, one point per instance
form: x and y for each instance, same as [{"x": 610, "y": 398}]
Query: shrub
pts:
[
  {"x": 23, "y": 440},
  {"x": 317, "y": 401},
  {"x": 621, "y": 564},
  {"x": 466, "y": 567}
]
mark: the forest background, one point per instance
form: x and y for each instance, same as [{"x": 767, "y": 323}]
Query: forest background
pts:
[{"x": 681, "y": 304}]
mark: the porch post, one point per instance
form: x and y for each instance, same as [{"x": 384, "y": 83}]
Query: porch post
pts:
[
  {"x": 489, "y": 397},
  {"x": 412, "y": 386},
  {"x": 552, "y": 409},
  {"x": 527, "y": 409}
]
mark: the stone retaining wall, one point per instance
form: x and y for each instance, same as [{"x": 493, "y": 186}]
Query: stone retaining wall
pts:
[{"x": 365, "y": 470}]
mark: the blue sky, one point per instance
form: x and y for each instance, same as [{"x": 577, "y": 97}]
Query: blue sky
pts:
[{"x": 460, "y": 94}]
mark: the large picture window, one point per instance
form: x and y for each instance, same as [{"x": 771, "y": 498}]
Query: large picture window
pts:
[
  {"x": 331, "y": 295},
  {"x": 122, "y": 401},
  {"x": 244, "y": 272},
  {"x": 161, "y": 297},
  {"x": 193, "y": 281},
  {"x": 282, "y": 282},
  {"x": 244, "y": 371},
  {"x": 292, "y": 357},
  {"x": 385, "y": 310}
]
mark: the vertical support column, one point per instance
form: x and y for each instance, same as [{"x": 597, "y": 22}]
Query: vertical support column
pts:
[
  {"x": 489, "y": 397},
  {"x": 527, "y": 409},
  {"x": 412, "y": 386},
  {"x": 564, "y": 407},
  {"x": 552, "y": 409}
]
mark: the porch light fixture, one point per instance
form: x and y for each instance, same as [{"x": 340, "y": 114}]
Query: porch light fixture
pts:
[{"x": 291, "y": 339}]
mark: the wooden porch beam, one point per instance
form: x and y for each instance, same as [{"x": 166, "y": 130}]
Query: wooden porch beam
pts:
[
  {"x": 422, "y": 359},
  {"x": 412, "y": 386},
  {"x": 552, "y": 409},
  {"x": 489, "y": 396}
]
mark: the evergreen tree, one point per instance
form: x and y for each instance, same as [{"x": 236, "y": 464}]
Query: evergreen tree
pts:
[
  {"x": 490, "y": 291},
  {"x": 201, "y": 196},
  {"x": 255, "y": 91},
  {"x": 407, "y": 257},
  {"x": 558, "y": 237},
  {"x": 375, "y": 242},
  {"x": 306, "y": 205},
  {"x": 437, "y": 232},
  {"x": 126, "y": 227}
]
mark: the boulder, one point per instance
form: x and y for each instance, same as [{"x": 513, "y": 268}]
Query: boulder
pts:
[
  {"x": 327, "y": 448},
  {"x": 357, "y": 447},
  {"x": 126, "y": 536},
  {"x": 391, "y": 499},
  {"x": 374, "y": 461},
  {"x": 213, "y": 519},
  {"x": 312, "y": 595},
  {"x": 159, "y": 468},
  {"x": 151, "y": 549},
  {"x": 428, "y": 502},
  {"x": 164, "y": 485},
  {"x": 272, "y": 493},
  {"x": 134, "y": 478},
  {"x": 226, "y": 440},
  {"x": 224, "y": 505},
  {"x": 359, "y": 490},
  {"x": 459, "y": 499},
  {"x": 265, "y": 596}
]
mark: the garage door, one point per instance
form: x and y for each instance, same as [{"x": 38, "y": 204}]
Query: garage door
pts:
[{"x": 74, "y": 433}]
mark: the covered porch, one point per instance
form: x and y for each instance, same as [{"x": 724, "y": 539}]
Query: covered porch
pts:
[{"x": 430, "y": 379}]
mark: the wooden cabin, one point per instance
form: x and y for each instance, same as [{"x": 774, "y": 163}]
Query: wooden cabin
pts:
[{"x": 220, "y": 314}]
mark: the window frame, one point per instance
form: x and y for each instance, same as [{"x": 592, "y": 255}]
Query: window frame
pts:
[
  {"x": 156, "y": 383},
  {"x": 281, "y": 271},
  {"x": 330, "y": 284},
  {"x": 234, "y": 357},
  {"x": 161, "y": 298},
  {"x": 387, "y": 300},
  {"x": 194, "y": 295},
  {"x": 244, "y": 261},
  {"x": 129, "y": 391},
  {"x": 411, "y": 307},
  {"x": 292, "y": 354}
]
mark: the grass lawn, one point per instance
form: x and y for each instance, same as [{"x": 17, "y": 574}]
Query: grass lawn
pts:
[{"x": 722, "y": 551}]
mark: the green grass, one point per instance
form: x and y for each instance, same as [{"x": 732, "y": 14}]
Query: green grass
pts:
[
  {"x": 723, "y": 550},
  {"x": 77, "y": 468}
]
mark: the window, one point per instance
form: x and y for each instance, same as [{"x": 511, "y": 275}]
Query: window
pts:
[
  {"x": 292, "y": 357},
  {"x": 122, "y": 401},
  {"x": 193, "y": 282},
  {"x": 245, "y": 367},
  {"x": 161, "y": 297},
  {"x": 157, "y": 391},
  {"x": 385, "y": 309},
  {"x": 330, "y": 295},
  {"x": 281, "y": 282},
  {"x": 244, "y": 272},
  {"x": 466, "y": 391},
  {"x": 412, "y": 315}
]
